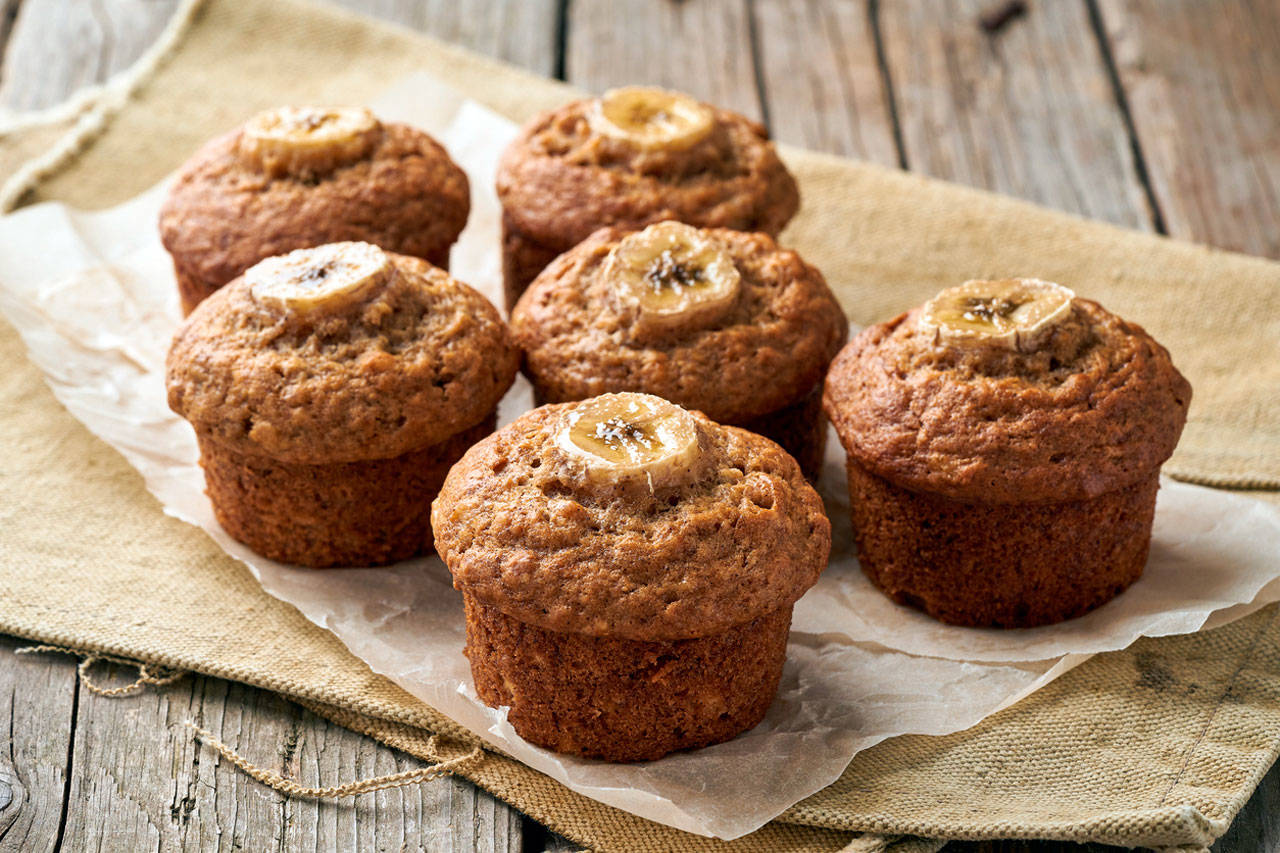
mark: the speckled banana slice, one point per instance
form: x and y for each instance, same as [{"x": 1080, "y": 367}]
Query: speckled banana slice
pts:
[
  {"x": 324, "y": 277},
  {"x": 631, "y": 436},
  {"x": 308, "y": 140},
  {"x": 1015, "y": 313},
  {"x": 651, "y": 118},
  {"x": 673, "y": 275}
]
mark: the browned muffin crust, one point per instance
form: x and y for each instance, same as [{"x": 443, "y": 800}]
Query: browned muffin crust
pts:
[
  {"x": 1000, "y": 565},
  {"x": 1096, "y": 408},
  {"x": 800, "y": 429},
  {"x": 522, "y": 259},
  {"x": 768, "y": 353},
  {"x": 523, "y": 529},
  {"x": 559, "y": 180},
  {"x": 421, "y": 359},
  {"x": 361, "y": 513},
  {"x": 221, "y": 216},
  {"x": 626, "y": 700}
]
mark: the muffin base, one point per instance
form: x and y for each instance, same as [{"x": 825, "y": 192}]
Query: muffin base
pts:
[
  {"x": 625, "y": 700},
  {"x": 1000, "y": 565},
  {"x": 522, "y": 259},
  {"x": 193, "y": 290},
  {"x": 341, "y": 514},
  {"x": 801, "y": 430}
]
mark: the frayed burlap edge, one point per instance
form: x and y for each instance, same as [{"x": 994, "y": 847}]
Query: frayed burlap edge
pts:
[
  {"x": 92, "y": 112},
  {"x": 91, "y": 109},
  {"x": 563, "y": 810}
]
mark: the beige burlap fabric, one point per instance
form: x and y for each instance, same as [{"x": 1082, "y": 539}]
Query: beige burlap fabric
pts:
[{"x": 1157, "y": 745}]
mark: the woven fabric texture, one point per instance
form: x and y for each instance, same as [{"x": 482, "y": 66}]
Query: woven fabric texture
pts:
[{"x": 1158, "y": 745}]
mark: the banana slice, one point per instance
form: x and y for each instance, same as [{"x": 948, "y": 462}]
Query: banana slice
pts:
[
  {"x": 331, "y": 276},
  {"x": 651, "y": 118},
  {"x": 308, "y": 140},
  {"x": 1015, "y": 313},
  {"x": 672, "y": 275},
  {"x": 629, "y": 437}
]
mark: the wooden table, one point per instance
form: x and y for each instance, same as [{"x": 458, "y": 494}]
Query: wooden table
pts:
[{"x": 1160, "y": 115}]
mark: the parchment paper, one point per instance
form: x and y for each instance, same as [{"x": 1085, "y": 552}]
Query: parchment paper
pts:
[{"x": 94, "y": 298}]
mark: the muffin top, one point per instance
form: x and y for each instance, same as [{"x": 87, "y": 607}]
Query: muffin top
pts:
[
  {"x": 716, "y": 320},
  {"x": 297, "y": 177},
  {"x": 1011, "y": 391},
  {"x": 339, "y": 353},
  {"x": 628, "y": 516},
  {"x": 636, "y": 156}
]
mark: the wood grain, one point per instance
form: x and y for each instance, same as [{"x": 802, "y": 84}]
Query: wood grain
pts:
[
  {"x": 8, "y": 14},
  {"x": 821, "y": 77},
  {"x": 1202, "y": 82},
  {"x": 702, "y": 47},
  {"x": 140, "y": 781},
  {"x": 59, "y": 46},
  {"x": 37, "y": 702},
  {"x": 522, "y": 32},
  {"x": 1028, "y": 111},
  {"x": 1034, "y": 110}
]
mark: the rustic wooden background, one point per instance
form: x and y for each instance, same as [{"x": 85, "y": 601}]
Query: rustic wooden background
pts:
[{"x": 1160, "y": 115}]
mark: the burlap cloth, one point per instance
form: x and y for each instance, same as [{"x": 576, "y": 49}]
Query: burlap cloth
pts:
[{"x": 1159, "y": 745}]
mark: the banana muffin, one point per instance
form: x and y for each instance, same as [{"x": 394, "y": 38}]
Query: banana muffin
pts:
[
  {"x": 632, "y": 157},
  {"x": 331, "y": 389},
  {"x": 628, "y": 570},
  {"x": 716, "y": 320},
  {"x": 1004, "y": 447},
  {"x": 296, "y": 177}
]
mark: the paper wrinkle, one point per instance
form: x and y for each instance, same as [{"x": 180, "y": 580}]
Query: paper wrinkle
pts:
[{"x": 93, "y": 295}]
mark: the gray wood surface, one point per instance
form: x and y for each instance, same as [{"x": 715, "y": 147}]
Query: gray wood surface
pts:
[
  {"x": 821, "y": 77},
  {"x": 1027, "y": 111},
  {"x": 522, "y": 32},
  {"x": 1156, "y": 114},
  {"x": 38, "y": 715},
  {"x": 1202, "y": 82},
  {"x": 125, "y": 773},
  {"x": 702, "y": 47},
  {"x": 58, "y": 46}
]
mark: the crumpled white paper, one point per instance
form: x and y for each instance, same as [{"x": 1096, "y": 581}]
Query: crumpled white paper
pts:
[{"x": 94, "y": 299}]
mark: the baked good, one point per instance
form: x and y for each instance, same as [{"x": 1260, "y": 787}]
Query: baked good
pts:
[
  {"x": 628, "y": 570},
  {"x": 1005, "y": 442},
  {"x": 331, "y": 389},
  {"x": 632, "y": 157},
  {"x": 296, "y": 177},
  {"x": 720, "y": 321}
]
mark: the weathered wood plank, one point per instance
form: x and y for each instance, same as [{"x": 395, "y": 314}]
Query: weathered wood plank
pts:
[
  {"x": 600, "y": 65},
  {"x": 522, "y": 32},
  {"x": 539, "y": 839},
  {"x": 703, "y": 48},
  {"x": 8, "y": 14},
  {"x": 140, "y": 781},
  {"x": 821, "y": 77},
  {"x": 60, "y": 46},
  {"x": 1203, "y": 87},
  {"x": 37, "y": 699},
  {"x": 1028, "y": 110}
]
